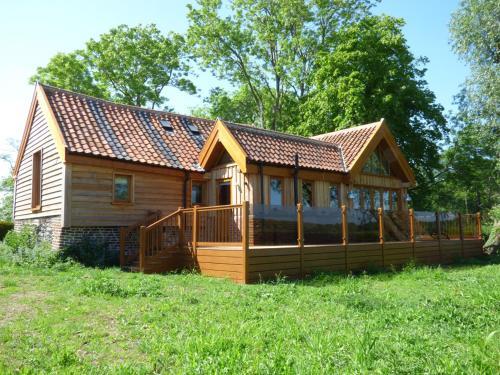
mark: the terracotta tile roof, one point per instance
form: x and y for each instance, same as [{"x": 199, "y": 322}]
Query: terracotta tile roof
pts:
[
  {"x": 97, "y": 127},
  {"x": 350, "y": 140},
  {"x": 278, "y": 148}
]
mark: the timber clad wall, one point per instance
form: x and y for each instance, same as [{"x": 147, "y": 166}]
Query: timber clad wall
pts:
[
  {"x": 40, "y": 138},
  {"x": 92, "y": 196}
]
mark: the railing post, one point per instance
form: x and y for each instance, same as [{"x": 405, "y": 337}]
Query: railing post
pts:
[
  {"x": 411, "y": 217},
  {"x": 381, "y": 233},
  {"x": 461, "y": 234},
  {"x": 300, "y": 236},
  {"x": 195, "y": 228},
  {"x": 180, "y": 224},
  {"x": 122, "y": 247},
  {"x": 438, "y": 228},
  {"x": 142, "y": 247},
  {"x": 244, "y": 239},
  {"x": 344, "y": 234},
  {"x": 478, "y": 228}
]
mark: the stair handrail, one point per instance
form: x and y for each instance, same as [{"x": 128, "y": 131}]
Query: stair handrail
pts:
[{"x": 163, "y": 219}]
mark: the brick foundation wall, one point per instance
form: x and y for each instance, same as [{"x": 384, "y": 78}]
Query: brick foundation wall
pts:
[{"x": 49, "y": 229}]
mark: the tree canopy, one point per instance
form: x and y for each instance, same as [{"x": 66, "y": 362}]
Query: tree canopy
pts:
[
  {"x": 472, "y": 164},
  {"x": 130, "y": 65}
]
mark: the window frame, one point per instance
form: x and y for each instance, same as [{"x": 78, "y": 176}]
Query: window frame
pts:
[
  {"x": 36, "y": 195},
  {"x": 339, "y": 200},
  {"x": 221, "y": 182},
  {"x": 302, "y": 191},
  {"x": 203, "y": 184},
  {"x": 131, "y": 179},
  {"x": 282, "y": 189}
]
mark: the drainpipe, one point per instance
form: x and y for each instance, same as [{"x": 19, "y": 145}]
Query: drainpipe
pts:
[
  {"x": 184, "y": 189},
  {"x": 296, "y": 180},
  {"x": 261, "y": 174}
]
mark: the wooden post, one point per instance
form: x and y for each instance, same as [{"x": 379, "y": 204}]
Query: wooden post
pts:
[
  {"x": 195, "y": 228},
  {"x": 461, "y": 233},
  {"x": 438, "y": 228},
  {"x": 245, "y": 239},
  {"x": 478, "y": 223},
  {"x": 300, "y": 236},
  {"x": 180, "y": 224},
  {"x": 411, "y": 217},
  {"x": 344, "y": 234},
  {"x": 381, "y": 233},
  {"x": 142, "y": 248},
  {"x": 122, "y": 247}
]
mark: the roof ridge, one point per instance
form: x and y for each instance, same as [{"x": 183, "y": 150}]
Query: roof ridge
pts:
[
  {"x": 283, "y": 134},
  {"x": 129, "y": 106},
  {"x": 352, "y": 128}
]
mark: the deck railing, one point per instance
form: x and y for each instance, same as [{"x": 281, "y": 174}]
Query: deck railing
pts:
[{"x": 228, "y": 226}]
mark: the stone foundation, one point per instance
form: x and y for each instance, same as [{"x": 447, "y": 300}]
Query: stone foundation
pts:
[{"x": 49, "y": 229}]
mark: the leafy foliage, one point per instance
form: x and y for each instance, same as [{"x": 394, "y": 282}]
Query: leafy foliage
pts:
[
  {"x": 369, "y": 74},
  {"x": 130, "y": 65},
  {"x": 268, "y": 47},
  {"x": 89, "y": 252},
  {"x": 471, "y": 178},
  {"x": 25, "y": 248},
  {"x": 5, "y": 226}
]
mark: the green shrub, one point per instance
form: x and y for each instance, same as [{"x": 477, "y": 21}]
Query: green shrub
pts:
[
  {"x": 90, "y": 252},
  {"x": 27, "y": 237},
  {"x": 5, "y": 226},
  {"x": 26, "y": 249}
]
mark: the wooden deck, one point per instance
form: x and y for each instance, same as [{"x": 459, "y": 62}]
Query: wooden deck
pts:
[{"x": 172, "y": 243}]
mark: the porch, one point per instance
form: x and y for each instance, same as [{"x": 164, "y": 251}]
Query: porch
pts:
[{"x": 252, "y": 243}]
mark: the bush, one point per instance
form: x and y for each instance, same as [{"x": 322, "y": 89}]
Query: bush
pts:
[
  {"x": 5, "y": 226},
  {"x": 25, "y": 248},
  {"x": 27, "y": 237},
  {"x": 90, "y": 252}
]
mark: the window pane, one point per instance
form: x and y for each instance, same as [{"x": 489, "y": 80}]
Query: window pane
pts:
[
  {"x": 394, "y": 200},
  {"x": 334, "y": 196},
  {"x": 366, "y": 199},
  {"x": 386, "y": 200},
  {"x": 196, "y": 194},
  {"x": 307, "y": 195},
  {"x": 356, "y": 198},
  {"x": 276, "y": 192},
  {"x": 122, "y": 188},
  {"x": 376, "y": 199}
]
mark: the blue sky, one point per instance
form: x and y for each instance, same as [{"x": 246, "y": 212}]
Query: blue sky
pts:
[{"x": 33, "y": 31}]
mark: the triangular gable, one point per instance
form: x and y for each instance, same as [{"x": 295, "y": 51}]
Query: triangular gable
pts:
[
  {"x": 40, "y": 99},
  {"x": 220, "y": 140},
  {"x": 382, "y": 134}
]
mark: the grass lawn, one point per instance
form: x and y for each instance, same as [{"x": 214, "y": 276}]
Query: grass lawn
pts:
[{"x": 424, "y": 320}]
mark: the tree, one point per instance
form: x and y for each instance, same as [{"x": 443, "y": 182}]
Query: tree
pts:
[
  {"x": 7, "y": 184},
  {"x": 235, "y": 107},
  {"x": 473, "y": 158},
  {"x": 369, "y": 74},
  {"x": 269, "y": 47},
  {"x": 130, "y": 65}
]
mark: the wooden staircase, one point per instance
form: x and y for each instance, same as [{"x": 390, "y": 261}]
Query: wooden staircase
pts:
[{"x": 153, "y": 246}]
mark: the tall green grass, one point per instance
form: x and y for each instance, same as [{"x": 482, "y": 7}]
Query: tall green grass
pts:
[{"x": 82, "y": 320}]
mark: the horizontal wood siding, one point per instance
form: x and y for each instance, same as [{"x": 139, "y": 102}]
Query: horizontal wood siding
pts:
[
  {"x": 40, "y": 138},
  {"x": 285, "y": 261},
  {"x": 92, "y": 196},
  {"x": 221, "y": 263}
]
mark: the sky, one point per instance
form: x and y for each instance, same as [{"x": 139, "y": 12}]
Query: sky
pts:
[{"x": 32, "y": 31}]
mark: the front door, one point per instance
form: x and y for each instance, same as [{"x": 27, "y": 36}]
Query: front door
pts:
[{"x": 224, "y": 192}]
